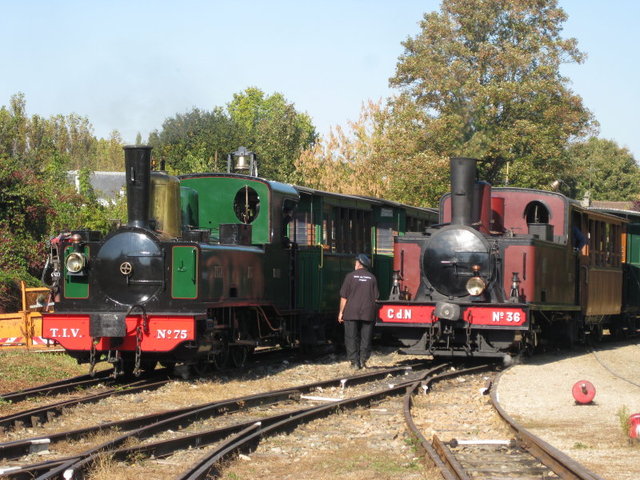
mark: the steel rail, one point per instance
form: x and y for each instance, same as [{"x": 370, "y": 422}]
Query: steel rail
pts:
[
  {"x": 18, "y": 448},
  {"x": 172, "y": 419},
  {"x": 39, "y": 415},
  {"x": 208, "y": 465},
  {"x": 421, "y": 442},
  {"x": 449, "y": 459},
  {"x": 60, "y": 386},
  {"x": 563, "y": 465}
]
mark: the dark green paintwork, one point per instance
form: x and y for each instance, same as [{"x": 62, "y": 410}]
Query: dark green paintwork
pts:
[
  {"x": 632, "y": 268},
  {"x": 75, "y": 286},
  {"x": 320, "y": 271},
  {"x": 184, "y": 272},
  {"x": 189, "y": 205},
  {"x": 383, "y": 270}
]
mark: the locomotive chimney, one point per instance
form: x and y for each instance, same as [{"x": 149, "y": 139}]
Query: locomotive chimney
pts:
[
  {"x": 463, "y": 177},
  {"x": 137, "y": 164}
]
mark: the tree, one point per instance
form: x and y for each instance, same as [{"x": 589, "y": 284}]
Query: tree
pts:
[
  {"x": 109, "y": 156},
  {"x": 347, "y": 160},
  {"x": 273, "y": 129},
  {"x": 376, "y": 155},
  {"x": 36, "y": 200},
  {"x": 266, "y": 124},
  {"x": 482, "y": 79},
  {"x": 195, "y": 141},
  {"x": 604, "y": 170}
]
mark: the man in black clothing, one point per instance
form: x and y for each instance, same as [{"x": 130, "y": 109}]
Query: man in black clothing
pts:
[{"x": 357, "y": 311}]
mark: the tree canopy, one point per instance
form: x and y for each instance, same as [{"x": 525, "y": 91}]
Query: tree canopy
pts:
[
  {"x": 266, "y": 124},
  {"x": 480, "y": 79},
  {"x": 603, "y": 170},
  {"x": 36, "y": 200},
  {"x": 484, "y": 80}
]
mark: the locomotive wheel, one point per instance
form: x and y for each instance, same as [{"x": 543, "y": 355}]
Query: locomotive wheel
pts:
[
  {"x": 238, "y": 356},
  {"x": 148, "y": 366},
  {"x": 596, "y": 334},
  {"x": 531, "y": 343},
  {"x": 221, "y": 358},
  {"x": 201, "y": 367}
]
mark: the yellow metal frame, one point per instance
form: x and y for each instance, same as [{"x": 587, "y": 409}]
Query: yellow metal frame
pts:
[{"x": 27, "y": 323}]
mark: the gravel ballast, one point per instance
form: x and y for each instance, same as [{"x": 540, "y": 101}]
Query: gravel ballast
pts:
[{"x": 538, "y": 395}]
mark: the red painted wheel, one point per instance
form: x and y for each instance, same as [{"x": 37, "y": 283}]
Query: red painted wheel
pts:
[{"x": 583, "y": 392}]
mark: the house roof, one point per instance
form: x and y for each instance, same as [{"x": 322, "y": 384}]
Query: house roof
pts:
[{"x": 107, "y": 185}]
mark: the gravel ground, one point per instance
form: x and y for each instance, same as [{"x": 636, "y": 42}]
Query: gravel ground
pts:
[
  {"x": 538, "y": 395},
  {"x": 368, "y": 443},
  {"x": 354, "y": 444}
]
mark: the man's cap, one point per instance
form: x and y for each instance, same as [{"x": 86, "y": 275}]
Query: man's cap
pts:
[{"x": 364, "y": 260}]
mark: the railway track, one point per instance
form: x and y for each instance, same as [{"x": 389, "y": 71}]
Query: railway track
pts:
[
  {"x": 39, "y": 415},
  {"x": 219, "y": 428},
  {"x": 493, "y": 456},
  {"x": 62, "y": 386}
]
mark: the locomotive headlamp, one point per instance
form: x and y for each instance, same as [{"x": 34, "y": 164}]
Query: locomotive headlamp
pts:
[
  {"x": 75, "y": 262},
  {"x": 475, "y": 286},
  {"x": 475, "y": 269},
  {"x": 76, "y": 238}
]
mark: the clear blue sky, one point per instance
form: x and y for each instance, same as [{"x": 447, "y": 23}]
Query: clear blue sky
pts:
[{"x": 128, "y": 65}]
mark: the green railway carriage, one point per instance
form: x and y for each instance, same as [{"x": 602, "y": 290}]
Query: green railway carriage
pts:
[
  {"x": 213, "y": 265},
  {"x": 329, "y": 229}
]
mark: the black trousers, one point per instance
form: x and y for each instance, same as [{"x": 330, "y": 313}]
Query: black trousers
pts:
[{"x": 357, "y": 340}]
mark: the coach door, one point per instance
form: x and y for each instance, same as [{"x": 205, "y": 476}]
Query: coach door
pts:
[{"x": 601, "y": 269}]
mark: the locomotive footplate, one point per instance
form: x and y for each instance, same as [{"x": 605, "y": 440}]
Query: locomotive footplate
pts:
[
  {"x": 163, "y": 332},
  {"x": 513, "y": 316}
]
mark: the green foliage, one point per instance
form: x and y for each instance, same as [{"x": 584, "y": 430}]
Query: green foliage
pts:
[
  {"x": 188, "y": 142},
  {"x": 109, "y": 153},
  {"x": 268, "y": 125},
  {"x": 273, "y": 129},
  {"x": 482, "y": 79},
  {"x": 623, "y": 419},
  {"x": 604, "y": 170},
  {"x": 36, "y": 200},
  {"x": 24, "y": 212},
  {"x": 376, "y": 156}
]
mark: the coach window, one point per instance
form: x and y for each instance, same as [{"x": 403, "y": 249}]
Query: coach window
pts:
[
  {"x": 384, "y": 232},
  {"x": 352, "y": 240},
  {"x": 367, "y": 231},
  {"x": 614, "y": 249},
  {"x": 327, "y": 233},
  {"x": 359, "y": 231},
  {"x": 303, "y": 227}
]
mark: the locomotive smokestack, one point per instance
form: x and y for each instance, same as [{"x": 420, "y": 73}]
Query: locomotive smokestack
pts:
[
  {"x": 463, "y": 177},
  {"x": 137, "y": 164}
]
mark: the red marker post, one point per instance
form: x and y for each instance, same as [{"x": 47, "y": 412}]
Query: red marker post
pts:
[
  {"x": 583, "y": 392},
  {"x": 634, "y": 426}
]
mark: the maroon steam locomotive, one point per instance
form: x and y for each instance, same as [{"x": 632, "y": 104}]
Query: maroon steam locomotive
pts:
[{"x": 505, "y": 270}]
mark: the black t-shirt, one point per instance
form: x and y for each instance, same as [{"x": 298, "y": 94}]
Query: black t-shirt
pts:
[{"x": 360, "y": 288}]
